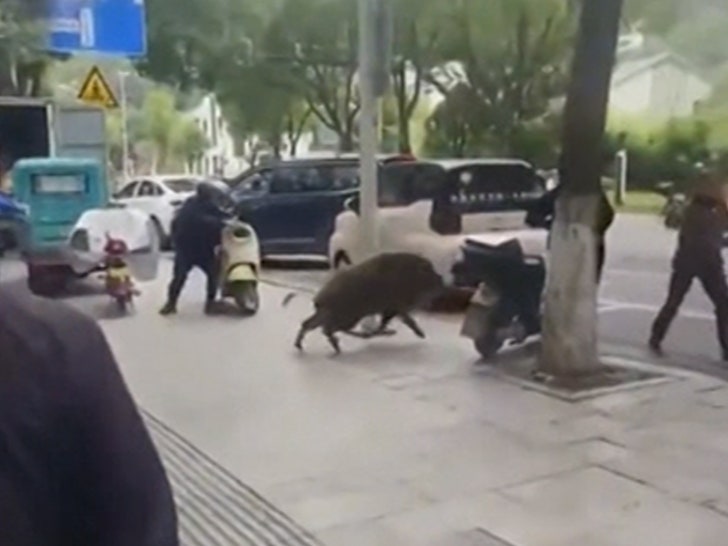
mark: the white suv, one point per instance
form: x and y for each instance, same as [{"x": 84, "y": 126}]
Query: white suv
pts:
[{"x": 430, "y": 207}]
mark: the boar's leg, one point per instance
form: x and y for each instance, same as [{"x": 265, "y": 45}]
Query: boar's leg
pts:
[
  {"x": 333, "y": 340},
  {"x": 311, "y": 323},
  {"x": 412, "y": 324},
  {"x": 387, "y": 317},
  {"x": 381, "y": 329}
]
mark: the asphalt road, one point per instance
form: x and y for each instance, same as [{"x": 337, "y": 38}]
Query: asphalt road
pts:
[{"x": 634, "y": 286}]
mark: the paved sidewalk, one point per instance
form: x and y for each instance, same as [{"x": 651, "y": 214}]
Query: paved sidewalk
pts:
[{"x": 401, "y": 442}]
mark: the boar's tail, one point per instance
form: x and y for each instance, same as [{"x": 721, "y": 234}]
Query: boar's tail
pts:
[{"x": 287, "y": 299}]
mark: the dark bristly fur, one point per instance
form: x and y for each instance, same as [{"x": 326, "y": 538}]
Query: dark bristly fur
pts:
[{"x": 390, "y": 285}]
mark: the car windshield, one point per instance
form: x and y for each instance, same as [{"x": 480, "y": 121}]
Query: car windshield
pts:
[
  {"x": 496, "y": 181},
  {"x": 181, "y": 185}
]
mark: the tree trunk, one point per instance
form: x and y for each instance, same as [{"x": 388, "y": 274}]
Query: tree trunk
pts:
[
  {"x": 570, "y": 318},
  {"x": 346, "y": 141},
  {"x": 405, "y": 144}
]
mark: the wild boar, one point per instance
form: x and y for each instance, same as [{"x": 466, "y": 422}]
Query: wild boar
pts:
[{"x": 389, "y": 284}]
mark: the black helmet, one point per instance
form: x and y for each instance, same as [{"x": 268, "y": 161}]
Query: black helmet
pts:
[{"x": 206, "y": 191}]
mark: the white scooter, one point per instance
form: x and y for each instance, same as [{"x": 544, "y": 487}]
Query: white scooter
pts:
[{"x": 240, "y": 266}]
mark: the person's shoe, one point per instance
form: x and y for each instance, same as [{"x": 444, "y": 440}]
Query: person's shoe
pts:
[
  {"x": 168, "y": 309},
  {"x": 725, "y": 356},
  {"x": 210, "y": 307},
  {"x": 655, "y": 347}
]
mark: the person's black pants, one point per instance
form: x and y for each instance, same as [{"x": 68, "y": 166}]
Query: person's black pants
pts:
[
  {"x": 601, "y": 254},
  {"x": 182, "y": 267},
  {"x": 712, "y": 278}
]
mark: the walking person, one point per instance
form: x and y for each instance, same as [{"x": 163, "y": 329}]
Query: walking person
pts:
[
  {"x": 698, "y": 256},
  {"x": 196, "y": 234},
  {"x": 77, "y": 465}
]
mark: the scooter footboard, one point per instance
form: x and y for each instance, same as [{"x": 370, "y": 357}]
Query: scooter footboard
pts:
[
  {"x": 241, "y": 272},
  {"x": 480, "y": 312}
]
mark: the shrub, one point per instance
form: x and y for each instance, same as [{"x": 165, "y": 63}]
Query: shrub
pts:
[{"x": 670, "y": 152}]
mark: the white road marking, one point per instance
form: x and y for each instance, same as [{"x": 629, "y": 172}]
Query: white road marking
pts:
[
  {"x": 606, "y": 306},
  {"x": 636, "y": 273}
]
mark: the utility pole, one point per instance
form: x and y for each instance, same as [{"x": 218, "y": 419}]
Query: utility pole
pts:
[
  {"x": 375, "y": 35},
  {"x": 569, "y": 345}
]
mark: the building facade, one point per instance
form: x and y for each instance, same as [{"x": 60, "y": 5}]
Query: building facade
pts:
[{"x": 224, "y": 156}]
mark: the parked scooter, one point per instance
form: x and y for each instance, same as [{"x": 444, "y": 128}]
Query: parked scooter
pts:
[
  {"x": 506, "y": 306},
  {"x": 240, "y": 265},
  {"x": 117, "y": 276}
]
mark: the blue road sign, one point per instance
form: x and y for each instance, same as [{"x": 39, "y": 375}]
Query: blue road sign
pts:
[{"x": 104, "y": 27}]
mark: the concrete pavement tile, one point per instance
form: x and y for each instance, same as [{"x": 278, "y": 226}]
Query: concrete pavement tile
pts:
[
  {"x": 473, "y": 458},
  {"x": 434, "y": 524},
  {"x": 318, "y": 512},
  {"x": 685, "y": 472},
  {"x": 601, "y": 451},
  {"x": 597, "y": 503},
  {"x": 717, "y": 398},
  {"x": 511, "y": 521},
  {"x": 476, "y": 537},
  {"x": 675, "y": 435},
  {"x": 365, "y": 534},
  {"x": 671, "y": 525},
  {"x": 503, "y": 405}
]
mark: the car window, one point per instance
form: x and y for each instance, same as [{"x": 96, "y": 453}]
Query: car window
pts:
[
  {"x": 258, "y": 182},
  {"x": 157, "y": 189},
  {"x": 511, "y": 180},
  {"x": 343, "y": 177},
  {"x": 404, "y": 183},
  {"x": 493, "y": 186},
  {"x": 146, "y": 189},
  {"x": 300, "y": 180},
  {"x": 180, "y": 185},
  {"x": 127, "y": 191}
]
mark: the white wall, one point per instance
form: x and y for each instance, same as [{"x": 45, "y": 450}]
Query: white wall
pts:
[
  {"x": 663, "y": 91},
  {"x": 631, "y": 95},
  {"x": 675, "y": 91},
  {"x": 220, "y": 157}
]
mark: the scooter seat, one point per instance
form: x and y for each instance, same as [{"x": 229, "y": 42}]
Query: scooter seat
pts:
[{"x": 511, "y": 248}]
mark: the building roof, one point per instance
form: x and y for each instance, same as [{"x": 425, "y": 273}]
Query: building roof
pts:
[{"x": 638, "y": 54}]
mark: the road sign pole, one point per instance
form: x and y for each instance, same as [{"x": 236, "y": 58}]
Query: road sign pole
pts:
[{"x": 124, "y": 126}]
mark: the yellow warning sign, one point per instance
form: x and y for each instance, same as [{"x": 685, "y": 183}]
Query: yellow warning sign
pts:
[{"x": 95, "y": 90}]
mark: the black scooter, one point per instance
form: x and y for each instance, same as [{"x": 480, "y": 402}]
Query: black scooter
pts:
[{"x": 506, "y": 307}]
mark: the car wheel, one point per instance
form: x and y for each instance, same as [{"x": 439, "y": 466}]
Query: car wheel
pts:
[
  {"x": 341, "y": 261},
  {"x": 164, "y": 241}
]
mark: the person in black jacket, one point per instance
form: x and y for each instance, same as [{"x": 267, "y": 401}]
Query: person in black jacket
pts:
[
  {"x": 196, "y": 234},
  {"x": 77, "y": 465},
  {"x": 698, "y": 256},
  {"x": 543, "y": 212}
]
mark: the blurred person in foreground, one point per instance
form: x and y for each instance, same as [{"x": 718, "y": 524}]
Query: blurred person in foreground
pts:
[
  {"x": 698, "y": 256},
  {"x": 77, "y": 465},
  {"x": 196, "y": 231}
]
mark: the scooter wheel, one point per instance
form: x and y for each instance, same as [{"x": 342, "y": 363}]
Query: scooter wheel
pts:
[
  {"x": 488, "y": 346},
  {"x": 247, "y": 298}
]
